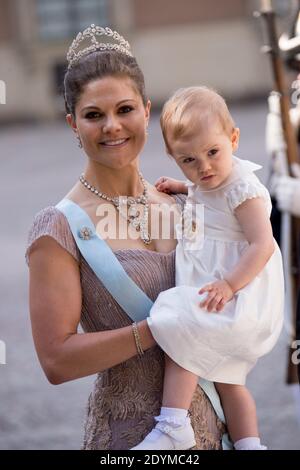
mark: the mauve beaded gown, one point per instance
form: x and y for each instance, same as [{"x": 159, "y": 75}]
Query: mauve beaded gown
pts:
[{"x": 125, "y": 398}]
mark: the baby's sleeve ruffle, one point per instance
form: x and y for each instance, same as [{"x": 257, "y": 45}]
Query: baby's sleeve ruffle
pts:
[
  {"x": 245, "y": 190},
  {"x": 52, "y": 223}
]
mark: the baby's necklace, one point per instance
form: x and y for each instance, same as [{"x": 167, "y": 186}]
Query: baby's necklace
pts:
[{"x": 134, "y": 217}]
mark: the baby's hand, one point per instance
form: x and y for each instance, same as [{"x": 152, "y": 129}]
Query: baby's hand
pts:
[
  {"x": 170, "y": 185},
  {"x": 219, "y": 293}
]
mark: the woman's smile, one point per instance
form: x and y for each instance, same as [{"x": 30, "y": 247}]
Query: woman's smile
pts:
[{"x": 113, "y": 143}]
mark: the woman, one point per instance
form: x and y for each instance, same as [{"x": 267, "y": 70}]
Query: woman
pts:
[{"x": 108, "y": 111}]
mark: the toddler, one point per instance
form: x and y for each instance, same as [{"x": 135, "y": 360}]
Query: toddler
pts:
[{"x": 227, "y": 307}]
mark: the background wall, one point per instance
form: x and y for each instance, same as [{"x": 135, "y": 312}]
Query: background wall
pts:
[{"x": 177, "y": 43}]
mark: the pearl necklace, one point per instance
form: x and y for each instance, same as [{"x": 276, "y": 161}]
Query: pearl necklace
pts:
[{"x": 140, "y": 223}]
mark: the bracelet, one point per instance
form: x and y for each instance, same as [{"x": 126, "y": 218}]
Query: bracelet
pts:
[{"x": 137, "y": 339}]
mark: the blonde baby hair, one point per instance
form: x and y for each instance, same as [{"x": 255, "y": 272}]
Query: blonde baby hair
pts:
[{"x": 192, "y": 109}]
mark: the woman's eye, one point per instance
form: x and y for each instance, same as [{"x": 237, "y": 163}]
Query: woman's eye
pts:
[
  {"x": 93, "y": 115},
  {"x": 125, "y": 109},
  {"x": 188, "y": 160},
  {"x": 212, "y": 152}
]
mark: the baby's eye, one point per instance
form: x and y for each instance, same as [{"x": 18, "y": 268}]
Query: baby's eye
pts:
[
  {"x": 125, "y": 109},
  {"x": 188, "y": 160},
  {"x": 212, "y": 152}
]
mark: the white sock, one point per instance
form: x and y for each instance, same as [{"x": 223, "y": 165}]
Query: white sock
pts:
[
  {"x": 175, "y": 416},
  {"x": 249, "y": 443}
]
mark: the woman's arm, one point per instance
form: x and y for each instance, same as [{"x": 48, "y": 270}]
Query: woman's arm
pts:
[{"x": 55, "y": 309}]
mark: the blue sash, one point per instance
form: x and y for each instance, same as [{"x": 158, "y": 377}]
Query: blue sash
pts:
[{"x": 125, "y": 291}]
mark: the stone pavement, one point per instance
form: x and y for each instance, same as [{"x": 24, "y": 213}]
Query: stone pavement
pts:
[{"x": 39, "y": 163}]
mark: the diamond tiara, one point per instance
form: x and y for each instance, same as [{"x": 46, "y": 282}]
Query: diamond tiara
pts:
[{"x": 74, "y": 55}]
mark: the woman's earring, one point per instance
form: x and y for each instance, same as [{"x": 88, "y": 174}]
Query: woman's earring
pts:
[{"x": 79, "y": 141}]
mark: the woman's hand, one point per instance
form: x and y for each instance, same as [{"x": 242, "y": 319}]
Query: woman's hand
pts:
[
  {"x": 219, "y": 293},
  {"x": 170, "y": 185}
]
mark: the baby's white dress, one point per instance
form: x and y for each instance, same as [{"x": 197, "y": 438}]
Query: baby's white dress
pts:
[{"x": 224, "y": 346}]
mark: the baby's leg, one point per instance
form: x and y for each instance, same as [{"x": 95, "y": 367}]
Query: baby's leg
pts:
[
  {"x": 173, "y": 429},
  {"x": 240, "y": 412},
  {"x": 179, "y": 386}
]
